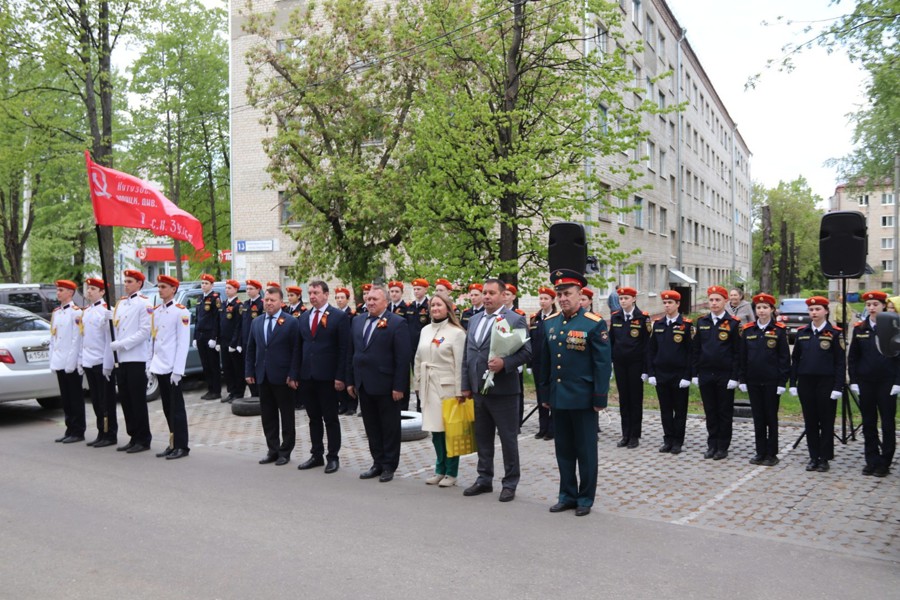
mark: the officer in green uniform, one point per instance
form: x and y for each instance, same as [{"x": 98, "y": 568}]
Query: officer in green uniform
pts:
[{"x": 575, "y": 371}]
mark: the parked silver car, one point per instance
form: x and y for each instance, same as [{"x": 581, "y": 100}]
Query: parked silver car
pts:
[{"x": 25, "y": 358}]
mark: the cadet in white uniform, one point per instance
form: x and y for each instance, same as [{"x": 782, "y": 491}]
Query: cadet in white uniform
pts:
[
  {"x": 96, "y": 362},
  {"x": 171, "y": 337},
  {"x": 65, "y": 343}
]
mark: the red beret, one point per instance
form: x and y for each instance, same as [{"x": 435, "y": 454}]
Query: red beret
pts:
[
  {"x": 764, "y": 299},
  {"x": 207, "y": 277},
  {"x": 627, "y": 291},
  {"x": 65, "y": 283},
  {"x": 587, "y": 292},
  {"x": 670, "y": 295},
  {"x": 476, "y": 286},
  {"x": 396, "y": 284},
  {"x": 294, "y": 289},
  {"x": 342, "y": 290},
  {"x": 94, "y": 282},
  {"x": 512, "y": 289},
  {"x": 168, "y": 280},
  {"x": 875, "y": 295},
  {"x": 273, "y": 284},
  {"x": 419, "y": 282},
  {"x": 254, "y": 283},
  {"x": 366, "y": 287},
  {"x": 817, "y": 301},
  {"x": 546, "y": 290},
  {"x": 717, "y": 289},
  {"x": 134, "y": 274},
  {"x": 233, "y": 283},
  {"x": 444, "y": 283}
]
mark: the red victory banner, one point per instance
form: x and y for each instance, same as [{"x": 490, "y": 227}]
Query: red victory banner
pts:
[{"x": 123, "y": 200}]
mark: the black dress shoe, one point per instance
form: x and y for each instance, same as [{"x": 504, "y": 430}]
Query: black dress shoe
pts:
[
  {"x": 676, "y": 449},
  {"x": 720, "y": 454},
  {"x": 332, "y": 466},
  {"x": 667, "y": 447},
  {"x": 178, "y": 453},
  {"x": 59, "y": 439},
  {"x": 868, "y": 469},
  {"x": 477, "y": 488},
  {"x": 94, "y": 441},
  {"x": 822, "y": 467},
  {"x": 769, "y": 461},
  {"x": 227, "y": 398},
  {"x": 282, "y": 460},
  {"x": 105, "y": 443},
  {"x": 582, "y": 511},
  {"x": 386, "y": 475},
  {"x": 710, "y": 452},
  {"x": 137, "y": 448},
  {"x": 539, "y": 435},
  {"x": 507, "y": 495},
  {"x": 757, "y": 459},
  {"x": 372, "y": 473},
  {"x": 165, "y": 453},
  {"x": 73, "y": 438},
  {"x": 126, "y": 447},
  {"x": 549, "y": 436},
  {"x": 881, "y": 471},
  {"x": 622, "y": 443},
  {"x": 634, "y": 443},
  {"x": 270, "y": 458},
  {"x": 562, "y": 506},
  {"x": 311, "y": 462},
  {"x": 206, "y": 396},
  {"x": 811, "y": 465}
]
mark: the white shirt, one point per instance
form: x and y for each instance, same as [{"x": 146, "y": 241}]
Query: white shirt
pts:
[
  {"x": 65, "y": 337},
  {"x": 131, "y": 319},
  {"x": 95, "y": 348},
  {"x": 171, "y": 338}
]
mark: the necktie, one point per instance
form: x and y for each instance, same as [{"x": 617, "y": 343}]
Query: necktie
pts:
[
  {"x": 628, "y": 317},
  {"x": 269, "y": 326},
  {"x": 482, "y": 331},
  {"x": 367, "y": 334},
  {"x": 315, "y": 323}
]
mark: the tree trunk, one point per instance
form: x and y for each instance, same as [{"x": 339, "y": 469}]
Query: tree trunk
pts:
[
  {"x": 210, "y": 184},
  {"x": 795, "y": 266},
  {"x": 783, "y": 261},
  {"x": 768, "y": 257}
]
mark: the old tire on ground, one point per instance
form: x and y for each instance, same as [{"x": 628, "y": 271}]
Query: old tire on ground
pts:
[
  {"x": 152, "y": 388},
  {"x": 245, "y": 407},
  {"x": 411, "y": 426}
]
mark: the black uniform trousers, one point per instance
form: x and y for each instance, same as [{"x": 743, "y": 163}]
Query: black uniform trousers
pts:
[
  {"x": 673, "y": 405},
  {"x": 381, "y": 419},
  {"x": 818, "y": 414},
  {"x": 173, "y": 408},
  {"x": 228, "y": 371},
  {"x": 576, "y": 447},
  {"x": 132, "y": 381},
  {"x": 277, "y": 400},
  {"x": 875, "y": 400},
  {"x": 498, "y": 413},
  {"x": 103, "y": 400},
  {"x": 72, "y": 401},
  {"x": 209, "y": 360},
  {"x": 764, "y": 402},
  {"x": 718, "y": 405},
  {"x": 236, "y": 361},
  {"x": 320, "y": 399},
  {"x": 631, "y": 397}
]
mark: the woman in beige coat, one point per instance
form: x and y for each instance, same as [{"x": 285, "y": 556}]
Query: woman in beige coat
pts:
[{"x": 437, "y": 375}]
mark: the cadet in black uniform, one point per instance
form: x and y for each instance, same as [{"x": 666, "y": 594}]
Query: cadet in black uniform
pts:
[
  {"x": 669, "y": 370},
  {"x": 206, "y": 336},
  {"x": 875, "y": 378},
  {"x": 477, "y": 300},
  {"x": 229, "y": 340},
  {"x": 253, "y": 307},
  {"x": 361, "y": 307},
  {"x": 346, "y": 403},
  {"x": 396, "y": 305},
  {"x": 547, "y": 301},
  {"x": 295, "y": 306},
  {"x": 818, "y": 372},
  {"x": 764, "y": 369},
  {"x": 715, "y": 354},
  {"x": 418, "y": 315},
  {"x": 629, "y": 333}
]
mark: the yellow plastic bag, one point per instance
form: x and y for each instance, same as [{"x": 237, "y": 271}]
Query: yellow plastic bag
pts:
[{"x": 459, "y": 426}]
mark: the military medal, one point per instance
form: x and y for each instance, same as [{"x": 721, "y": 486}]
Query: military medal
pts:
[
  {"x": 635, "y": 332},
  {"x": 677, "y": 338},
  {"x": 825, "y": 344},
  {"x": 771, "y": 343},
  {"x": 723, "y": 335}
]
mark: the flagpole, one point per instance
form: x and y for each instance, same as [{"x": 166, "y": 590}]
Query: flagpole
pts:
[{"x": 112, "y": 329}]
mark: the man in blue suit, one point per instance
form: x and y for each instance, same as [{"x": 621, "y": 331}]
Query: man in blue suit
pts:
[
  {"x": 379, "y": 375},
  {"x": 324, "y": 333},
  {"x": 272, "y": 363}
]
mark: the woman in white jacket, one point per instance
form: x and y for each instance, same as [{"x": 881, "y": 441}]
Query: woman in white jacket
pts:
[{"x": 437, "y": 375}]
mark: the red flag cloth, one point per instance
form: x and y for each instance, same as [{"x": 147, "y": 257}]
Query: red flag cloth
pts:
[{"x": 123, "y": 200}]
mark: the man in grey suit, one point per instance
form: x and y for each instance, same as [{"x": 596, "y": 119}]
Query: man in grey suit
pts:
[{"x": 499, "y": 410}]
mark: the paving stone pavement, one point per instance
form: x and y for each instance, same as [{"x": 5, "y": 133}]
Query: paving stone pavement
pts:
[{"x": 841, "y": 510}]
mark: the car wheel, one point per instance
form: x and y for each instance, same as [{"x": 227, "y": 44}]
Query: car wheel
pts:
[
  {"x": 152, "y": 388},
  {"x": 50, "y": 403},
  {"x": 411, "y": 426},
  {"x": 245, "y": 407}
]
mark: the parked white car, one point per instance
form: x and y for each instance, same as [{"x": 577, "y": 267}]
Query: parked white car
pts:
[{"x": 25, "y": 358}]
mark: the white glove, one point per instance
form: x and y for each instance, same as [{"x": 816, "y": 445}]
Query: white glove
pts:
[
  {"x": 231, "y": 348},
  {"x": 239, "y": 349},
  {"x": 70, "y": 371},
  {"x": 218, "y": 348},
  {"x": 732, "y": 384},
  {"x": 115, "y": 346},
  {"x": 895, "y": 390},
  {"x": 694, "y": 381},
  {"x": 194, "y": 343},
  {"x": 81, "y": 370},
  {"x": 175, "y": 379},
  {"x": 743, "y": 387},
  {"x": 529, "y": 371},
  {"x": 644, "y": 377},
  {"x": 835, "y": 395},
  {"x": 107, "y": 373},
  {"x": 652, "y": 381},
  {"x": 211, "y": 343},
  {"x": 854, "y": 388},
  {"x": 779, "y": 390},
  {"x": 793, "y": 391},
  {"x": 684, "y": 383}
]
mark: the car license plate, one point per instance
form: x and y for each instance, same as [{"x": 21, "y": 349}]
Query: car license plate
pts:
[{"x": 37, "y": 355}]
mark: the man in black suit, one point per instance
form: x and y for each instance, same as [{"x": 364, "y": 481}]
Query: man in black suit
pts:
[
  {"x": 324, "y": 333},
  {"x": 379, "y": 373},
  {"x": 273, "y": 359}
]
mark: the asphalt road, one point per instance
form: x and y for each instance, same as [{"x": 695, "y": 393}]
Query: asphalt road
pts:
[{"x": 82, "y": 523}]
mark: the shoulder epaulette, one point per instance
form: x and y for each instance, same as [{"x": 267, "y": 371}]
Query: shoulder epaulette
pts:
[
  {"x": 734, "y": 318},
  {"x": 779, "y": 324},
  {"x": 686, "y": 320},
  {"x": 519, "y": 311},
  {"x": 645, "y": 313},
  {"x": 858, "y": 323},
  {"x": 180, "y": 306},
  {"x": 142, "y": 296},
  {"x": 56, "y": 309},
  {"x": 593, "y": 316},
  {"x": 748, "y": 325},
  {"x": 615, "y": 312},
  {"x": 553, "y": 315},
  {"x": 532, "y": 315},
  {"x": 215, "y": 294},
  {"x": 123, "y": 297},
  {"x": 836, "y": 328}
]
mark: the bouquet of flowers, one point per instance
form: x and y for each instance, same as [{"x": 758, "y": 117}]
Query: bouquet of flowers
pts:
[{"x": 505, "y": 341}]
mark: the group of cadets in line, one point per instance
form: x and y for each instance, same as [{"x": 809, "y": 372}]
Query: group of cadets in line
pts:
[{"x": 718, "y": 354}]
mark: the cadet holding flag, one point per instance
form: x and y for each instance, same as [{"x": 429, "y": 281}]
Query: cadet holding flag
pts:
[
  {"x": 170, "y": 334},
  {"x": 96, "y": 360},
  {"x": 65, "y": 345}
]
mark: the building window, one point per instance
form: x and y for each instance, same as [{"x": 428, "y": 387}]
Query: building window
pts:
[
  {"x": 887, "y": 221},
  {"x": 620, "y": 203},
  {"x": 637, "y": 15},
  {"x": 638, "y": 276},
  {"x": 663, "y": 220},
  {"x": 661, "y": 102},
  {"x": 887, "y": 265},
  {"x": 662, "y": 162},
  {"x": 602, "y": 197},
  {"x": 651, "y": 277},
  {"x": 651, "y": 155},
  {"x": 651, "y": 216},
  {"x": 602, "y": 120},
  {"x": 292, "y": 47},
  {"x": 887, "y": 243},
  {"x": 887, "y": 199},
  {"x": 650, "y": 32},
  {"x": 638, "y": 212},
  {"x": 602, "y": 39},
  {"x": 661, "y": 46},
  {"x": 288, "y": 216},
  {"x": 863, "y": 200}
]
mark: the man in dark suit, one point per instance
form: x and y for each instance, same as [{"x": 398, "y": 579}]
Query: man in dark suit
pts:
[
  {"x": 379, "y": 373},
  {"x": 273, "y": 359},
  {"x": 499, "y": 410},
  {"x": 324, "y": 332}
]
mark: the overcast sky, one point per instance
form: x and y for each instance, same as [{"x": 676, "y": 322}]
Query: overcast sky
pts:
[{"x": 792, "y": 122}]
